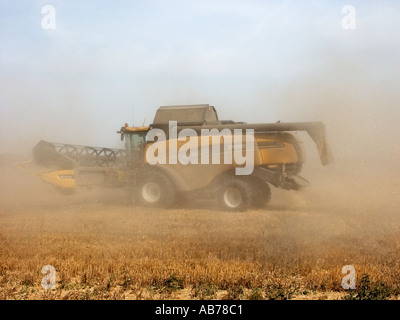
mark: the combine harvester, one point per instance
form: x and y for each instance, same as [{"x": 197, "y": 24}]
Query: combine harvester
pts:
[{"x": 276, "y": 151}]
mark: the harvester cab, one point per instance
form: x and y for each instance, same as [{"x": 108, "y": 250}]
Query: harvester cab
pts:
[{"x": 135, "y": 142}]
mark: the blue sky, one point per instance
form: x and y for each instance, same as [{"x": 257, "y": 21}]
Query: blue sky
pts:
[{"x": 111, "y": 62}]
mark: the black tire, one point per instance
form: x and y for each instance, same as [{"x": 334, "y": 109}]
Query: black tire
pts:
[
  {"x": 235, "y": 195},
  {"x": 154, "y": 189},
  {"x": 262, "y": 194}
]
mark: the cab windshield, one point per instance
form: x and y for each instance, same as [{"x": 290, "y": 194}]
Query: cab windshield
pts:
[{"x": 135, "y": 145}]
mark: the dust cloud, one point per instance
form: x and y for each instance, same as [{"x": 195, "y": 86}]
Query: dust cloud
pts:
[
  {"x": 358, "y": 106},
  {"x": 348, "y": 215}
]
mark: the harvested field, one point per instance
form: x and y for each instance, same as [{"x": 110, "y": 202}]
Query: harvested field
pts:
[{"x": 102, "y": 247}]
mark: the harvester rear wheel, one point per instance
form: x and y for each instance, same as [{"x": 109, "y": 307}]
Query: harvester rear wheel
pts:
[
  {"x": 235, "y": 195},
  {"x": 154, "y": 189}
]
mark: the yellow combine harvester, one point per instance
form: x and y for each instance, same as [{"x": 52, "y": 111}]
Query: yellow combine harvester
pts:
[{"x": 188, "y": 152}]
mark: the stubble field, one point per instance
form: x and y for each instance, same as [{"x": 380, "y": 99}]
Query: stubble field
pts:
[{"x": 102, "y": 247}]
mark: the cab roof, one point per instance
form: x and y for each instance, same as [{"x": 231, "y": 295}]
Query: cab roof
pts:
[{"x": 135, "y": 129}]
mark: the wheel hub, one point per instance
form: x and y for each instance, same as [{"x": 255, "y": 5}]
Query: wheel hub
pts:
[
  {"x": 232, "y": 197},
  {"x": 151, "y": 192}
]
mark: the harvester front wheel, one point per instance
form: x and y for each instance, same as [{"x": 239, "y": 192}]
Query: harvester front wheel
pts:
[
  {"x": 154, "y": 189},
  {"x": 235, "y": 195}
]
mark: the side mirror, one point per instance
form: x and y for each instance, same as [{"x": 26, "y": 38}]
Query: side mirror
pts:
[{"x": 122, "y": 132}]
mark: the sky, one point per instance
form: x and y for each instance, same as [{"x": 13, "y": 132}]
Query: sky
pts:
[{"x": 106, "y": 63}]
